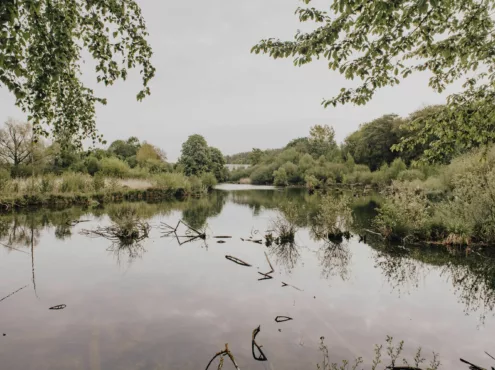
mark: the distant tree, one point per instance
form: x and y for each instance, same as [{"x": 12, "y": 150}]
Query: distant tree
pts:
[
  {"x": 301, "y": 144},
  {"x": 16, "y": 142},
  {"x": 322, "y": 141},
  {"x": 217, "y": 164},
  {"x": 195, "y": 155},
  {"x": 149, "y": 152},
  {"x": 255, "y": 156},
  {"x": 125, "y": 149},
  {"x": 371, "y": 144}
]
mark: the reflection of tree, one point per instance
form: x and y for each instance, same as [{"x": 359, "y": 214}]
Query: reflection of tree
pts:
[
  {"x": 197, "y": 211},
  {"x": 401, "y": 272},
  {"x": 335, "y": 259},
  {"x": 472, "y": 275}
]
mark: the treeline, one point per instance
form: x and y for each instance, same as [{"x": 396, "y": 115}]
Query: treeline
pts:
[
  {"x": 22, "y": 156},
  {"x": 369, "y": 156}
]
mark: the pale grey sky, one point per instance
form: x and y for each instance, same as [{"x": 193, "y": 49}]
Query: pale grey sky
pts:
[{"x": 207, "y": 82}]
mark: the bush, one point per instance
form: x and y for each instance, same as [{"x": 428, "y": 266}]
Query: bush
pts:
[
  {"x": 411, "y": 175},
  {"x": 209, "y": 180},
  {"x": 262, "y": 175},
  {"x": 280, "y": 177},
  {"x": 312, "y": 182},
  {"x": 47, "y": 184},
  {"x": 172, "y": 181},
  {"x": 74, "y": 183},
  {"x": 98, "y": 182},
  {"x": 4, "y": 179},
  {"x": 92, "y": 165},
  {"x": 114, "y": 167}
]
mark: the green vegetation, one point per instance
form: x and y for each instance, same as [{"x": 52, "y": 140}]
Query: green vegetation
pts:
[
  {"x": 455, "y": 206},
  {"x": 41, "y": 54},
  {"x": 380, "y": 43},
  {"x": 365, "y": 158},
  {"x": 60, "y": 173}
]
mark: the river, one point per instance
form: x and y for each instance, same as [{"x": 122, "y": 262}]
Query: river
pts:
[{"x": 166, "y": 303}]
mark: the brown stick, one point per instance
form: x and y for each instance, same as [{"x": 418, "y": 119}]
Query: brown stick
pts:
[
  {"x": 238, "y": 261},
  {"x": 11, "y": 294}
]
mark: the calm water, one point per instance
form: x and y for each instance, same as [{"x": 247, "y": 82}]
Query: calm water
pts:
[{"x": 161, "y": 305}]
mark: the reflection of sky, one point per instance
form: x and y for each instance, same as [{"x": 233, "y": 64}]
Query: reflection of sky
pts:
[{"x": 178, "y": 305}]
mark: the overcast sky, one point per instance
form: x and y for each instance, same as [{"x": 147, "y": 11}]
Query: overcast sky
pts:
[{"x": 208, "y": 83}]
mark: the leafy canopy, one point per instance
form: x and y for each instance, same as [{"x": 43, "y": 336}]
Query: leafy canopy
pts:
[
  {"x": 41, "y": 47},
  {"x": 381, "y": 42}
]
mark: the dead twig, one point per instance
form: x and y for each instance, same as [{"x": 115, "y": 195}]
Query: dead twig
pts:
[
  {"x": 238, "y": 261},
  {"x": 11, "y": 294},
  {"x": 262, "y": 356},
  {"x": 225, "y": 352},
  {"x": 58, "y": 307},
  {"x": 490, "y": 355},
  {"x": 266, "y": 276}
]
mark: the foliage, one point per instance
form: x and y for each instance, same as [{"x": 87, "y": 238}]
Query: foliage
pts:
[
  {"x": 209, "y": 180},
  {"x": 217, "y": 164},
  {"x": 280, "y": 177},
  {"x": 195, "y": 155},
  {"x": 114, "y": 167},
  {"x": 125, "y": 149},
  {"x": 381, "y": 43},
  {"x": 334, "y": 217},
  {"x": 322, "y": 141},
  {"x": 4, "y": 178},
  {"x": 371, "y": 144},
  {"x": 41, "y": 58}
]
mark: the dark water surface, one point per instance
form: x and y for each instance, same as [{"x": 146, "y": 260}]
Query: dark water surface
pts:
[{"x": 161, "y": 305}]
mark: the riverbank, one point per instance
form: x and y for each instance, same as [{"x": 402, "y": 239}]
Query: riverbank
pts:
[{"x": 84, "y": 190}]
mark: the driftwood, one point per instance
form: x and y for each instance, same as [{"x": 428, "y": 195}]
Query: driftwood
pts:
[
  {"x": 11, "y": 294},
  {"x": 225, "y": 352},
  {"x": 283, "y": 318},
  {"x": 254, "y": 345},
  {"x": 238, "y": 261},
  {"x": 58, "y": 307},
  {"x": 191, "y": 233},
  {"x": 222, "y": 237},
  {"x": 267, "y": 275},
  {"x": 75, "y": 222}
]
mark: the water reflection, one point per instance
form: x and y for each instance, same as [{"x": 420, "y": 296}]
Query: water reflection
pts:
[{"x": 472, "y": 274}]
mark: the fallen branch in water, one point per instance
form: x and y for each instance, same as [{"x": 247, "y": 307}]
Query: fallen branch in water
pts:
[
  {"x": 238, "y": 261},
  {"x": 58, "y": 307},
  {"x": 128, "y": 234},
  {"x": 292, "y": 286},
  {"x": 262, "y": 356},
  {"x": 75, "y": 222},
  {"x": 11, "y": 294},
  {"x": 225, "y": 352},
  {"x": 257, "y": 241},
  {"x": 222, "y": 237}
]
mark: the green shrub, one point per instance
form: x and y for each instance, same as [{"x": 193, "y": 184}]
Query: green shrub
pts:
[
  {"x": 312, "y": 182},
  {"x": 92, "y": 165},
  {"x": 280, "y": 177},
  {"x": 114, "y": 167},
  {"x": 139, "y": 173},
  {"x": 47, "y": 183},
  {"x": 172, "y": 181},
  {"x": 74, "y": 183},
  {"x": 411, "y": 175},
  {"x": 209, "y": 180},
  {"x": 98, "y": 182},
  {"x": 4, "y": 179},
  {"x": 262, "y": 175}
]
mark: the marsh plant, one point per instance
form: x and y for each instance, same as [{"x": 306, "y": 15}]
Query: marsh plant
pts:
[
  {"x": 333, "y": 219},
  {"x": 394, "y": 361},
  {"x": 127, "y": 228}
]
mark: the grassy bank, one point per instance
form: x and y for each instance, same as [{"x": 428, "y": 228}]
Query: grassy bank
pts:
[
  {"x": 454, "y": 207},
  {"x": 80, "y": 189}
]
